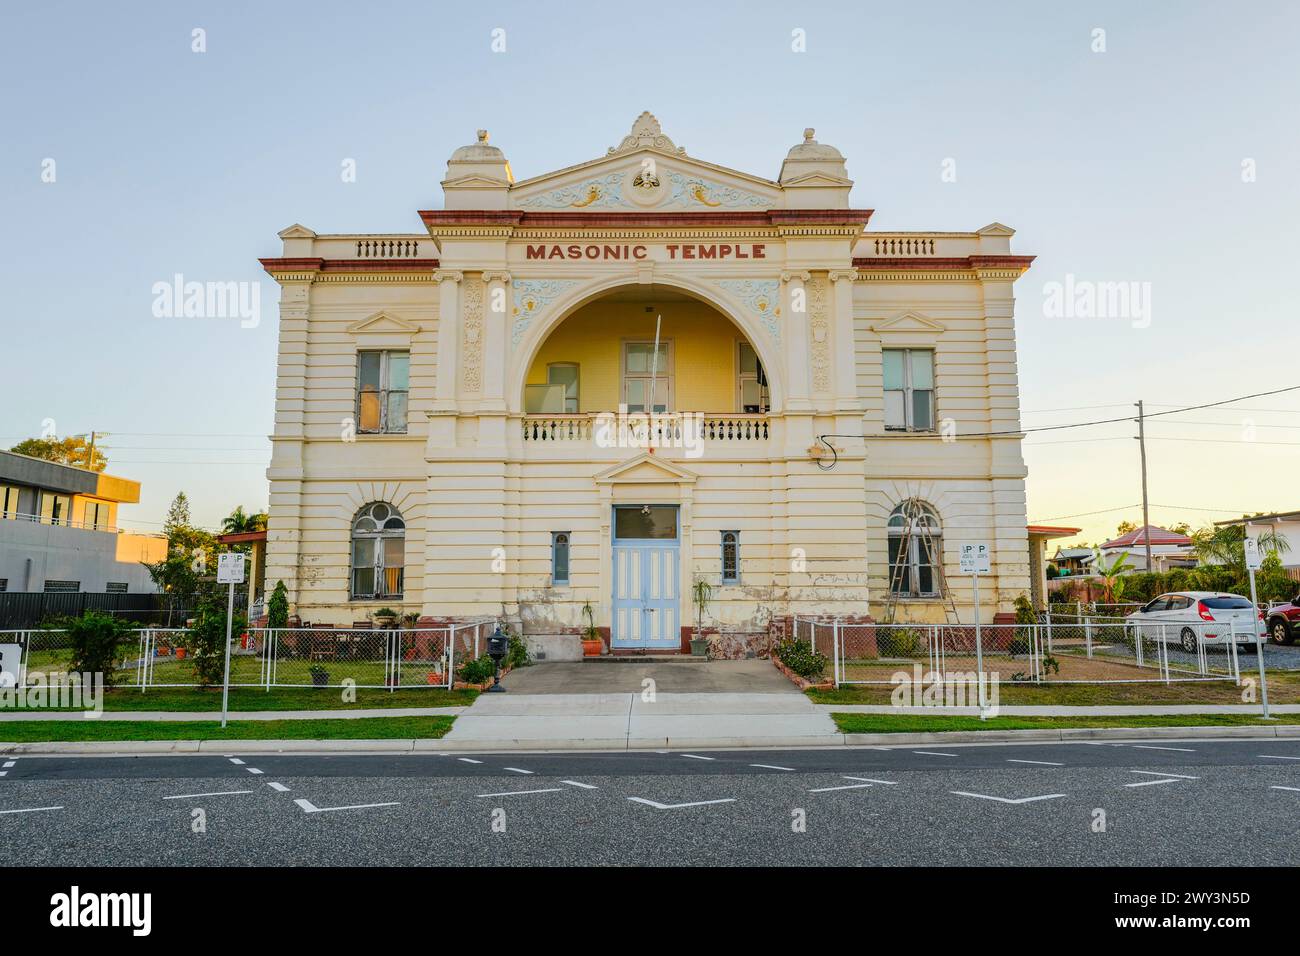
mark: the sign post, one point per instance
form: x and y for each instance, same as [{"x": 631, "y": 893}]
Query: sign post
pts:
[
  {"x": 975, "y": 561},
  {"x": 1254, "y": 561},
  {"x": 230, "y": 570}
]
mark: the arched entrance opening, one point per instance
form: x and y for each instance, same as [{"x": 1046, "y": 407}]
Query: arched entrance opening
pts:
[{"x": 602, "y": 357}]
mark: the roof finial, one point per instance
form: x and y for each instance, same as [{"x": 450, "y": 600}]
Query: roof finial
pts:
[
  {"x": 482, "y": 136},
  {"x": 808, "y": 134}
]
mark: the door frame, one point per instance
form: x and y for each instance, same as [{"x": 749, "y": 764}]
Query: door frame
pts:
[
  {"x": 644, "y": 545},
  {"x": 645, "y": 479}
]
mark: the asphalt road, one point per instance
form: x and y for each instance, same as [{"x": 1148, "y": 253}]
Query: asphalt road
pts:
[{"x": 1165, "y": 803}]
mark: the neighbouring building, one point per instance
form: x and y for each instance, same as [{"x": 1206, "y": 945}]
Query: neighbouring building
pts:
[
  {"x": 1286, "y": 524},
  {"x": 1069, "y": 561},
  {"x": 59, "y": 532},
  {"x": 1039, "y": 535},
  {"x": 1169, "y": 549},
  {"x": 475, "y": 420}
]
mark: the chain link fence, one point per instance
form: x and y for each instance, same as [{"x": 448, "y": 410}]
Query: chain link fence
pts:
[
  {"x": 1098, "y": 650},
  {"x": 274, "y": 657}
]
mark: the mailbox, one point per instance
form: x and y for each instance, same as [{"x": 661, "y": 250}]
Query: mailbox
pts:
[{"x": 498, "y": 645}]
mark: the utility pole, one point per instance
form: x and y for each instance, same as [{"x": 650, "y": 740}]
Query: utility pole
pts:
[
  {"x": 90, "y": 455},
  {"x": 1146, "y": 518}
]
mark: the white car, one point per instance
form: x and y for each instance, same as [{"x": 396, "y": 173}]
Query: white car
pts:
[{"x": 1182, "y": 617}]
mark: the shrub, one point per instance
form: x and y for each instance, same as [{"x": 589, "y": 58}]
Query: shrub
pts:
[
  {"x": 205, "y": 642},
  {"x": 898, "y": 642},
  {"x": 97, "y": 641},
  {"x": 800, "y": 657},
  {"x": 517, "y": 655},
  {"x": 277, "y": 609},
  {"x": 477, "y": 671}
]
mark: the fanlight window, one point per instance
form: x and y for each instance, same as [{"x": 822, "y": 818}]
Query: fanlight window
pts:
[
  {"x": 378, "y": 552},
  {"x": 915, "y": 550}
]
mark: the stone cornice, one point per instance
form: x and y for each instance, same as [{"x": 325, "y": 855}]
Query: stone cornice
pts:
[
  {"x": 952, "y": 267},
  {"x": 302, "y": 269},
  {"x": 783, "y": 221}
]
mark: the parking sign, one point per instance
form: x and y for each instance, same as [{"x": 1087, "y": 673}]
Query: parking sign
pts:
[
  {"x": 1253, "y": 560},
  {"x": 975, "y": 558},
  {"x": 230, "y": 568}
]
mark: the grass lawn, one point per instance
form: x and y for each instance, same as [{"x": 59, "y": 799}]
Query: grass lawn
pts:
[
  {"x": 278, "y": 698},
  {"x": 362, "y": 728},
  {"x": 921, "y": 723},
  {"x": 1283, "y": 688}
]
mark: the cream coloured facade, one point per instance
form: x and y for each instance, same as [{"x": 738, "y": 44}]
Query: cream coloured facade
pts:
[{"x": 492, "y": 382}]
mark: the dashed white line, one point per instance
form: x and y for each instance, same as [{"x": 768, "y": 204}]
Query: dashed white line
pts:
[
  {"x": 850, "y": 786},
  {"x": 769, "y": 766},
  {"x": 520, "y": 793},
  {"x": 698, "y": 757},
  {"x": 1294, "y": 789},
  {"x": 1181, "y": 750},
  {"x": 31, "y": 810},
  {"x": 887, "y": 783},
  {"x": 1151, "y": 783},
  {"x": 1261, "y": 756},
  {"x": 252, "y": 770},
  {"x": 678, "y": 806},
  {"x": 932, "y": 753},
  {"x": 584, "y": 786},
  {"x": 468, "y": 760},
  {"x": 236, "y": 760},
  {"x": 8, "y": 764},
  {"x": 516, "y": 770},
  {"x": 309, "y": 807},
  {"x": 985, "y": 796},
  {"x": 1040, "y": 763},
  {"x": 218, "y": 793},
  {"x": 278, "y": 786},
  {"x": 1161, "y": 773}
]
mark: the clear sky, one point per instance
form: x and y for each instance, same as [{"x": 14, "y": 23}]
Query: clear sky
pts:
[{"x": 1117, "y": 166}]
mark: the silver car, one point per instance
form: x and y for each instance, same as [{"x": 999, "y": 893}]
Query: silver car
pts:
[{"x": 1212, "y": 616}]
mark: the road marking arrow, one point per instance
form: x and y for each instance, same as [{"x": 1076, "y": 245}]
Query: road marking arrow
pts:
[
  {"x": 309, "y": 807},
  {"x": 985, "y": 796},
  {"x": 678, "y": 806}
]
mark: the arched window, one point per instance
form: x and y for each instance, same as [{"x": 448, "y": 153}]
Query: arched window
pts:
[
  {"x": 915, "y": 549},
  {"x": 378, "y": 552}
]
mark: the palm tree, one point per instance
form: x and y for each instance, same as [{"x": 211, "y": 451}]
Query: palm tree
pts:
[
  {"x": 1111, "y": 581},
  {"x": 239, "y": 522},
  {"x": 1224, "y": 545}
]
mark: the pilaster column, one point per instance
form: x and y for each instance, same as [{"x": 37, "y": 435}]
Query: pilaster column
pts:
[
  {"x": 496, "y": 319},
  {"x": 794, "y": 300},
  {"x": 442, "y": 416},
  {"x": 843, "y": 341}
]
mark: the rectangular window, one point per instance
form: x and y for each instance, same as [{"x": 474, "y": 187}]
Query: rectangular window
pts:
[
  {"x": 559, "y": 557},
  {"x": 4, "y": 584},
  {"x": 751, "y": 381},
  {"x": 383, "y": 384},
  {"x": 633, "y": 522},
  {"x": 643, "y": 372},
  {"x": 909, "y": 389},
  {"x": 97, "y": 516},
  {"x": 730, "y": 557},
  {"x": 115, "y": 587},
  {"x": 61, "y": 587},
  {"x": 55, "y": 509},
  {"x": 8, "y": 501}
]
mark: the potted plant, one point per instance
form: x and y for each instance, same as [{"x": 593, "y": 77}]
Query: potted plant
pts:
[
  {"x": 320, "y": 677},
  {"x": 701, "y": 593},
  {"x": 385, "y": 617},
  {"x": 592, "y": 645}
]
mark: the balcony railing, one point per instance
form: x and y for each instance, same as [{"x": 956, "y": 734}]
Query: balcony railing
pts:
[
  {"x": 664, "y": 429},
  {"x": 59, "y": 522}
]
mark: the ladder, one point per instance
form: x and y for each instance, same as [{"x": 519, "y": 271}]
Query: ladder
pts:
[{"x": 916, "y": 525}]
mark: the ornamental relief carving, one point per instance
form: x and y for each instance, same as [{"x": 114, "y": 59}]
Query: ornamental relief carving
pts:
[
  {"x": 819, "y": 330},
  {"x": 760, "y": 296},
  {"x": 472, "y": 341}
]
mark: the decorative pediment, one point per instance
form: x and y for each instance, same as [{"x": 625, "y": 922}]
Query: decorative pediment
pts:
[
  {"x": 645, "y": 171},
  {"x": 908, "y": 322},
  {"x": 296, "y": 231},
  {"x": 996, "y": 229},
  {"x": 646, "y": 469},
  {"x": 817, "y": 179},
  {"x": 383, "y": 322}
]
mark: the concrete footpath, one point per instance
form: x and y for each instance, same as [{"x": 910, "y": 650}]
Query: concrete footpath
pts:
[{"x": 200, "y": 715}]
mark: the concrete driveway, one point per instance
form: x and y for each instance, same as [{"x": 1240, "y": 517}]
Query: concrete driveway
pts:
[{"x": 620, "y": 677}]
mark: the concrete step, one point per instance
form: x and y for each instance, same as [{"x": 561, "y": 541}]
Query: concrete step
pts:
[{"x": 645, "y": 659}]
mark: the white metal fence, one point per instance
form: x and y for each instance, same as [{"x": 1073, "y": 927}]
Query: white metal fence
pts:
[
  {"x": 1099, "y": 650},
  {"x": 279, "y": 657}
]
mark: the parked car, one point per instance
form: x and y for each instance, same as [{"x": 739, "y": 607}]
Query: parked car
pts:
[
  {"x": 1181, "y": 616},
  {"x": 1284, "y": 622}
]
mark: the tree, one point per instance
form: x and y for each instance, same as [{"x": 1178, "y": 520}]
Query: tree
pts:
[
  {"x": 238, "y": 522},
  {"x": 1125, "y": 527},
  {"x": 1112, "y": 582},
  {"x": 1181, "y": 528},
  {"x": 73, "y": 450},
  {"x": 1224, "y": 545},
  {"x": 277, "y": 609}
]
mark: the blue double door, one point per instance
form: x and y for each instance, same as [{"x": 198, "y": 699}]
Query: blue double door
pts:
[{"x": 647, "y": 578}]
